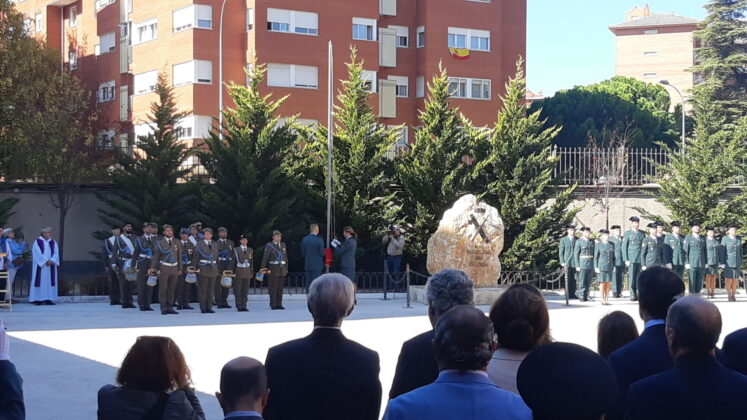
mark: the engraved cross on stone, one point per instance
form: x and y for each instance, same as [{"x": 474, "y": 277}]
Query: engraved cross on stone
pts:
[{"x": 479, "y": 226}]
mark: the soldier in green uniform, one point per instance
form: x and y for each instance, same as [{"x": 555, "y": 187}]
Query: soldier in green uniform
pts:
[
  {"x": 567, "y": 260},
  {"x": 674, "y": 256},
  {"x": 619, "y": 271},
  {"x": 631, "y": 252},
  {"x": 583, "y": 253},
  {"x": 167, "y": 260},
  {"x": 651, "y": 249},
  {"x": 275, "y": 259},
  {"x": 205, "y": 259},
  {"x": 694, "y": 248},
  {"x": 225, "y": 257},
  {"x": 141, "y": 260},
  {"x": 660, "y": 235},
  {"x": 243, "y": 257},
  {"x": 183, "y": 288},
  {"x": 604, "y": 263},
  {"x": 713, "y": 259},
  {"x": 732, "y": 261}
]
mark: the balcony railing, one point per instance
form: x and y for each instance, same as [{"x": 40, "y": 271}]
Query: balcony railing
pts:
[{"x": 588, "y": 166}]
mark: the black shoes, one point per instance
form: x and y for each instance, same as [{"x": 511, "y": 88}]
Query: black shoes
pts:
[
  {"x": 184, "y": 307},
  {"x": 281, "y": 307},
  {"x": 573, "y": 297},
  {"x": 129, "y": 306},
  {"x": 243, "y": 309},
  {"x": 169, "y": 312},
  {"x": 209, "y": 311},
  {"x": 146, "y": 308},
  {"x": 49, "y": 302},
  {"x": 38, "y": 303},
  {"x": 115, "y": 303},
  {"x": 224, "y": 306}
]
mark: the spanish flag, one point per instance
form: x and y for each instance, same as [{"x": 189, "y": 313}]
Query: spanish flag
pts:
[{"x": 459, "y": 53}]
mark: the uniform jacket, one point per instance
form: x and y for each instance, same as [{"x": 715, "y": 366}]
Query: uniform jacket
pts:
[
  {"x": 110, "y": 244},
  {"x": 583, "y": 254},
  {"x": 695, "y": 251},
  {"x": 604, "y": 256},
  {"x": 144, "y": 249},
  {"x": 345, "y": 252},
  {"x": 121, "y": 253},
  {"x": 276, "y": 259},
  {"x": 732, "y": 251},
  {"x": 312, "y": 251},
  {"x": 617, "y": 241},
  {"x": 169, "y": 254},
  {"x": 631, "y": 245},
  {"x": 187, "y": 251},
  {"x": 225, "y": 254},
  {"x": 205, "y": 258},
  {"x": 416, "y": 365},
  {"x": 243, "y": 262},
  {"x": 713, "y": 251},
  {"x": 673, "y": 250},
  {"x": 651, "y": 252},
  {"x": 566, "y": 251}
]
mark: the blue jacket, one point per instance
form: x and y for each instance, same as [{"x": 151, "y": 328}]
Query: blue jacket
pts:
[
  {"x": 455, "y": 395},
  {"x": 16, "y": 250},
  {"x": 346, "y": 252},
  {"x": 312, "y": 251},
  {"x": 645, "y": 356},
  {"x": 11, "y": 392},
  {"x": 698, "y": 387}
]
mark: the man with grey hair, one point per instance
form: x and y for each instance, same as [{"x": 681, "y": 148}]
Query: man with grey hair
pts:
[
  {"x": 698, "y": 387},
  {"x": 324, "y": 376},
  {"x": 44, "y": 279},
  {"x": 417, "y": 366}
]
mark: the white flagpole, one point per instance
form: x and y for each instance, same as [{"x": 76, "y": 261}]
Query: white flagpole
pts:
[{"x": 330, "y": 110}]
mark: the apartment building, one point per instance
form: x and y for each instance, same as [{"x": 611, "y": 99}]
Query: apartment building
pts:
[{"x": 118, "y": 48}]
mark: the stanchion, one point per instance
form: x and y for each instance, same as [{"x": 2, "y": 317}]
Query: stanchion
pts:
[
  {"x": 565, "y": 274},
  {"x": 407, "y": 279},
  {"x": 386, "y": 278}
]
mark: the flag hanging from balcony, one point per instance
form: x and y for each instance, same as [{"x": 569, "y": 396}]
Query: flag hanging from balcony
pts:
[{"x": 459, "y": 53}]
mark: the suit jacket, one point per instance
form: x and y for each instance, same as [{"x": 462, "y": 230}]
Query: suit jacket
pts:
[
  {"x": 416, "y": 365},
  {"x": 205, "y": 258},
  {"x": 346, "y": 252},
  {"x": 312, "y": 251},
  {"x": 323, "y": 376},
  {"x": 455, "y": 395},
  {"x": 698, "y": 387},
  {"x": 645, "y": 356},
  {"x": 170, "y": 254},
  {"x": 11, "y": 392},
  {"x": 244, "y": 418},
  {"x": 275, "y": 254}
]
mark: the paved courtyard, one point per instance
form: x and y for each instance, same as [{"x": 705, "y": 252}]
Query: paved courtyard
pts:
[{"x": 66, "y": 352}]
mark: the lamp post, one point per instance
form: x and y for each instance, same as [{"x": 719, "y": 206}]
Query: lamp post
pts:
[
  {"x": 682, "y": 98},
  {"x": 220, "y": 72}
]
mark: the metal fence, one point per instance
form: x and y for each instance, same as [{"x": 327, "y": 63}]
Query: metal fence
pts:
[{"x": 588, "y": 166}]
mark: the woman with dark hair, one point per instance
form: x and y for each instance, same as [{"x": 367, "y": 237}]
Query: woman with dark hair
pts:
[
  {"x": 153, "y": 384},
  {"x": 615, "y": 330},
  {"x": 522, "y": 323}
]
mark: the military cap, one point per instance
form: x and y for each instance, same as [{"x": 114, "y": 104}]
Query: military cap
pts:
[
  {"x": 115, "y": 227},
  {"x": 549, "y": 383},
  {"x": 222, "y": 229},
  {"x": 615, "y": 227},
  {"x": 693, "y": 224},
  {"x": 676, "y": 224},
  {"x": 585, "y": 228},
  {"x": 659, "y": 223},
  {"x": 242, "y": 237},
  {"x": 207, "y": 230},
  {"x": 604, "y": 231},
  {"x": 167, "y": 226},
  {"x": 570, "y": 226},
  {"x": 185, "y": 231},
  {"x": 710, "y": 228},
  {"x": 732, "y": 225},
  {"x": 634, "y": 219},
  {"x": 152, "y": 224},
  {"x": 276, "y": 232},
  {"x": 652, "y": 225}
]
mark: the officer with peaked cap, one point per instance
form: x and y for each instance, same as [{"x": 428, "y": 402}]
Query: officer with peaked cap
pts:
[
  {"x": 567, "y": 259},
  {"x": 631, "y": 252}
]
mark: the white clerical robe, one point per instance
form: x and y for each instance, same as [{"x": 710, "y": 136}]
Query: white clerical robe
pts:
[{"x": 44, "y": 279}]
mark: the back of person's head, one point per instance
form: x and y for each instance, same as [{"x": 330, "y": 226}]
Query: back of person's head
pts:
[
  {"x": 243, "y": 386},
  {"x": 734, "y": 351},
  {"x": 463, "y": 339},
  {"x": 520, "y": 318},
  {"x": 446, "y": 289},
  {"x": 154, "y": 364},
  {"x": 331, "y": 298},
  {"x": 658, "y": 288},
  {"x": 552, "y": 377},
  {"x": 615, "y": 330},
  {"x": 693, "y": 327}
]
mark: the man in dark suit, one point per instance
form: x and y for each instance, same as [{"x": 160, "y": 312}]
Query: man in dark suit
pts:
[
  {"x": 648, "y": 354},
  {"x": 243, "y": 389},
  {"x": 324, "y": 376},
  {"x": 312, "y": 251},
  {"x": 417, "y": 365},
  {"x": 698, "y": 387},
  {"x": 11, "y": 384}
]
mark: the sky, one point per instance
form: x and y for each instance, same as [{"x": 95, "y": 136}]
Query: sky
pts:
[{"x": 568, "y": 43}]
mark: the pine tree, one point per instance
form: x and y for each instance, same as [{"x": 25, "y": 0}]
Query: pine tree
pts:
[
  {"x": 433, "y": 171},
  {"x": 253, "y": 194},
  {"x": 515, "y": 174},
  {"x": 150, "y": 182},
  {"x": 722, "y": 57}
]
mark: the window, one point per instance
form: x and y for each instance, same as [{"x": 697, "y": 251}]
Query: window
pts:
[
  {"x": 402, "y": 139},
  {"x": 293, "y": 21},
  {"x": 73, "y": 59},
  {"x": 650, "y": 53},
  {"x": 364, "y": 29},
  {"x": 106, "y": 44},
  {"x": 462, "y": 87},
  {"x": 474, "y": 39},
  {"x": 27, "y": 25},
  {"x": 292, "y": 75},
  {"x": 183, "y": 133},
  {"x": 106, "y": 93},
  {"x": 421, "y": 36},
  {"x": 73, "y": 16},
  {"x": 649, "y": 75},
  {"x": 196, "y": 71},
  {"x": 369, "y": 80},
  {"x": 106, "y": 139},
  {"x": 651, "y": 31},
  {"x": 402, "y": 85},
  {"x": 125, "y": 29},
  {"x": 420, "y": 87},
  {"x": 39, "y": 22},
  {"x": 146, "y": 31},
  {"x": 195, "y": 16},
  {"x": 249, "y": 19},
  {"x": 403, "y": 36},
  {"x": 145, "y": 82}
]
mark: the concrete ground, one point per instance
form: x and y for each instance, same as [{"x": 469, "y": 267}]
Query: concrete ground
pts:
[{"x": 66, "y": 352}]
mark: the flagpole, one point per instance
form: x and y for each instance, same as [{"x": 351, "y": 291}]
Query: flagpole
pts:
[{"x": 330, "y": 110}]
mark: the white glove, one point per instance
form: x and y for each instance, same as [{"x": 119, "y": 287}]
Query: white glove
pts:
[
  {"x": 4, "y": 342},
  {"x": 722, "y": 266},
  {"x": 578, "y": 268},
  {"x": 643, "y": 268},
  {"x": 335, "y": 243},
  {"x": 669, "y": 266},
  {"x": 688, "y": 266},
  {"x": 563, "y": 265},
  {"x": 596, "y": 270},
  {"x": 627, "y": 263}
]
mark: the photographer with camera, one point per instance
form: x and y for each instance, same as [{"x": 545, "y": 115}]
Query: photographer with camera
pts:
[{"x": 395, "y": 245}]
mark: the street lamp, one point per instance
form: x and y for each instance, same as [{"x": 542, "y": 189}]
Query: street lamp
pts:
[
  {"x": 682, "y": 98},
  {"x": 220, "y": 72}
]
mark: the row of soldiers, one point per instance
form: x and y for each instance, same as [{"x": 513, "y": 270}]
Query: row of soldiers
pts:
[
  {"x": 614, "y": 254},
  {"x": 195, "y": 260}
]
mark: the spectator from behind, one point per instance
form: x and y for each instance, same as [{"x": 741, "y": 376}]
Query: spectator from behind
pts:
[
  {"x": 153, "y": 383},
  {"x": 243, "y": 389},
  {"x": 698, "y": 387},
  {"x": 648, "y": 354},
  {"x": 11, "y": 384},
  {"x": 566, "y": 381},
  {"x": 463, "y": 344},
  {"x": 417, "y": 365},
  {"x": 615, "y": 330},
  {"x": 521, "y": 322},
  {"x": 324, "y": 376},
  {"x": 734, "y": 351}
]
